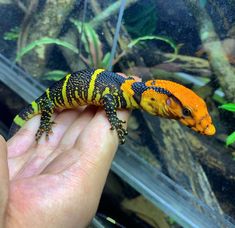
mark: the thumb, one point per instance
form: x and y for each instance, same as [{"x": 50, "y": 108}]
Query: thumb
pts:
[{"x": 4, "y": 179}]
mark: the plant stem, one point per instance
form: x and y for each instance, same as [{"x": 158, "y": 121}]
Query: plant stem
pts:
[{"x": 109, "y": 11}]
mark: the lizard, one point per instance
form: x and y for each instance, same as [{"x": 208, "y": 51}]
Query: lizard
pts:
[{"x": 112, "y": 91}]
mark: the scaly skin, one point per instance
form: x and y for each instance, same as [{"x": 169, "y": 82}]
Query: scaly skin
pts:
[
  {"x": 112, "y": 91},
  {"x": 185, "y": 106}
]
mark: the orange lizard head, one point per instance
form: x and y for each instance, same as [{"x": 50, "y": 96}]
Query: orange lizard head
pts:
[{"x": 178, "y": 102}]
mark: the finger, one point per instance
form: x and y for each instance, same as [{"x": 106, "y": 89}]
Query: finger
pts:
[
  {"x": 22, "y": 145},
  {"x": 67, "y": 155},
  {"x": 62, "y": 122},
  {"x": 97, "y": 133},
  {"x": 77, "y": 127},
  {"x": 4, "y": 179},
  {"x": 24, "y": 138},
  {"x": 97, "y": 145},
  {"x": 59, "y": 157},
  {"x": 84, "y": 168},
  {"x": 94, "y": 140},
  {"x": 37, "y": 157}
]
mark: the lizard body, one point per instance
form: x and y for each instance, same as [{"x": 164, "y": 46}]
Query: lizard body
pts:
[{"x": 112, "y": 91}]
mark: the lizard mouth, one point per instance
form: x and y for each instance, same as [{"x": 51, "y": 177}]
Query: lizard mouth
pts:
[
  {"x": 209, "y": 130},
  {"x": 204, "y": 126}
]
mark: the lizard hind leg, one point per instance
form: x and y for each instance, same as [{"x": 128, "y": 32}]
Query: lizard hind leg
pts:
[{"x": 45, "y": 122}]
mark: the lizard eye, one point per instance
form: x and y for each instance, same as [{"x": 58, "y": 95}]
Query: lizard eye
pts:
[{"x": 186, "y": 112}]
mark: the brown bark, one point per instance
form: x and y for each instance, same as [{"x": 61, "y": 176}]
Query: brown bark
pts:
[{"x": 177, "y": 158}]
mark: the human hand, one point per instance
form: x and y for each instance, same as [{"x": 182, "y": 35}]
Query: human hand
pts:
[{"x": 57, "y": 183}]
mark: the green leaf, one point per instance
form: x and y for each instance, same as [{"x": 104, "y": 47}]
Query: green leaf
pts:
[
  {"x": 13, "y": 34},
  {"x": 162, "y": 38},
  {"x": 43, "y": 41},
  {"x": 105, "y": 60},
  {"x": 230, "y": 139},
  {"x": 91, "y": 41},
  {"x": 229, "y": 107},
  {"x": 78, "y": 25},
  {"x": 54, "y": 75},
  {"x": 94, "y": 44}
]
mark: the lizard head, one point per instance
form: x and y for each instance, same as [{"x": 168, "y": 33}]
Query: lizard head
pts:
[{"x": 172, "y": 100}]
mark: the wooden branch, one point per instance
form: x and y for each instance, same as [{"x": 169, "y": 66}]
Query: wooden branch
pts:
[
  {"x": 176, "y": 154},
  {"x": 212, "y": 45},
  {"x": 183, "y": 63},
  {"x": 108, "y": 12}
]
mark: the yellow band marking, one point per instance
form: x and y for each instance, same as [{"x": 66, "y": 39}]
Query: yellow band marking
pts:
[
  {"x": 126, "y": 87},
  {"x": 48, "y": 93},
  {"x": 64, "y": 94},
  {"x": 106, "y": 91},
  {"x": 119, "y": 99},
  {"x": 83, "y": 94},
  {"x": 128, "y": 93},
  {"x": 74, "y": 103},
  {"x": 55, "y": 101},
  {"x": 97, "y": 97},
  {"x": 92, "y": 83},
  {"x": 80, "y": 101},
  {"x": 19, "y": 121},
  {"x": 57, "y": 104},
  {"x": 127, "y": 99},
  {"x": 77, "y": 100},
  {"x": 35, "y": 107}
]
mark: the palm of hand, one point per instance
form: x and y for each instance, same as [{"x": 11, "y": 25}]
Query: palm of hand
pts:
[{"x": 59, "y": 182}]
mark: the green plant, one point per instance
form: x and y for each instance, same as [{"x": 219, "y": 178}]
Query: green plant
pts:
[
  {"x": 54, "y": 75},
  {"x": 41, "y": 42},
  {"x": 229, "y": 107},
  {"x": 92, "y": 45},
  {"x": 13, "y": 34},
  {"x": 161, "y": 38}
]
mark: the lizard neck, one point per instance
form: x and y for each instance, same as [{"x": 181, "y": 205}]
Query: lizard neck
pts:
[
  {"x": 131, "y": 93},
  {"x": 152, "y": 99}
]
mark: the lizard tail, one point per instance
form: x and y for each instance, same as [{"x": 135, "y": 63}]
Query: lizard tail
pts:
[{"x": 25, "y": 114}]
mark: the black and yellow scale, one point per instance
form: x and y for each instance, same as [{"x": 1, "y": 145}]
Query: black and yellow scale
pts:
[{"x": 113, "y": 91}]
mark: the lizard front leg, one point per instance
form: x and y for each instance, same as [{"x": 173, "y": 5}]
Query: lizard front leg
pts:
[
  {"x": 110, "y": 108},
  {"x": 45, "y": 122}
]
